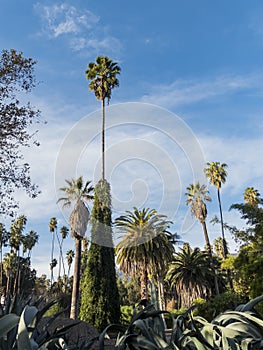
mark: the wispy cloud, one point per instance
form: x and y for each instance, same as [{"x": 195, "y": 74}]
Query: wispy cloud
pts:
[
  {"x": 82, "y": 28},
  {"x": 191, "y": 91}
]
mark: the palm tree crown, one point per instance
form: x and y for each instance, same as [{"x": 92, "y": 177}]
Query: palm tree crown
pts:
[
  {"x": 191, "y": 274},
  {"x": 252, "y": 196},
  {"x": 216, "y": 173},
  {"x": 146, "y": 244},
  {"x": 103, "y": 76},
  {"x": 197, "y": 195}
]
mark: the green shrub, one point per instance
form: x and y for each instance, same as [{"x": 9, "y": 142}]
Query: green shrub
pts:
[
  {"x": 126, "y": 314},
  {"x": 217, "y": 305}
]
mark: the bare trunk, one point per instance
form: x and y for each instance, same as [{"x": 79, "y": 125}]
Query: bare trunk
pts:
[
  {"x": 103, "y": 139},
  {"x": 144, "y": 282},
  {"x": 74, "y": 310},
  {"x": 208, "y": 245},
  {"x": 225, "y": 251}
]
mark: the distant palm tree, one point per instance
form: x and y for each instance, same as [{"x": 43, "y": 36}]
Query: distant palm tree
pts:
[
  {"x": 103, "y": 76},
  {"x": 70, "y": 256},
  {"x": 29, "y": 241},
  {"x": 79, "y": 193},
  {"x": 145, "y": 244},
  {"x": 216, "y": 173},
  {"x": 53, "y": 224},
  {"x": 64, "y": 233},
  {"x": 252, "y": 196},
  {"x": 190, "y": 273},
  {"x": 197, "y": 195}
]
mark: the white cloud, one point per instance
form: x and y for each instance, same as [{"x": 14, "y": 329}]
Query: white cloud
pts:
[
  {"x": 82, "y": 28},
  {"x": 183, "y": 92}
]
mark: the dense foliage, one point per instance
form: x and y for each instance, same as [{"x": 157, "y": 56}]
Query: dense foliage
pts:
[
  {"x": 16, "y": 77},
  {"x": 100, "y": 297}
]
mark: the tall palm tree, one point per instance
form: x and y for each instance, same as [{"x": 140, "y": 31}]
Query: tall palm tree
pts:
[
  {"x": 53, "y": 224},
  {"x": 63, "y": 233},
  {"x": 216, "y": 173},
  {"x": 79, "y": 193},
  {"x": 197, "y": 195},
  {"x": 252, "y": 196},
  {"x": 144, "y": 243},
  {"x": 191, "y": 274},
  {"x": 103, "y": 78}
]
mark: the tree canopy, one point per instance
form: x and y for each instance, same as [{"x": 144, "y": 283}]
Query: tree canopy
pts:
[{"x": 16, "y": 77}]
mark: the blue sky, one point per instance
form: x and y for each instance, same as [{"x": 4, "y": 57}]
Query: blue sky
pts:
[{"x": 191, "y": 86}]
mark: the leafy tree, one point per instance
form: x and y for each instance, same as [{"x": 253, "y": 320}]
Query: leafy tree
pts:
[
  {"x": 216, "y": 173},
  {"x": 16, "y": 78},
  {"x": 100, "y": 298},
  {"x": 103, "y": 78},
  {"x": 191, "y": 274},
  {"x": 145, "y": 246},
  {"x": 196, "y": 196},
  {"x": 249, "y": 262},
  {"x": 79, "y": 193}
]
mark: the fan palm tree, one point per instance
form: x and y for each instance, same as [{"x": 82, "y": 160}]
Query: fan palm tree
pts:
[
  {"x": 216, "y": 173},
  {"x": 70, "y": 256},
  {"x": 190, "y": 273},
  {"x": 29, "y": 242},
  {"x": 145, "y": 244},
  {"x": 53, "y": 224},
  {"x": 79, "y": 193},
  {"x": 252, "y": 196},
  {"x": 103, "y": 78},
  {"x": 197, "y": 195},
  {"x": 64, "y": 233}
]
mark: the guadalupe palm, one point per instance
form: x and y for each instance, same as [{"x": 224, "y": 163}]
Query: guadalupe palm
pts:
[
  {"x": 103, "y": 78},
  {"x": 216, "y": 173},
  {"x": 145, "y": 244},
  {"x": 196, "y": 196},
  {"x": 78, "y": 193},
  {"x": 191, "y": 274},
  {"x": 252, "y": 196}
]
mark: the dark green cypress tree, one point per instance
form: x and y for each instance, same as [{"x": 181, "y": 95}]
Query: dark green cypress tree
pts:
[{"x": 100, "y": 304}]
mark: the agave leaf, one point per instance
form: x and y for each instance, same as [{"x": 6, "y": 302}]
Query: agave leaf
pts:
[
  {"x": 23, "y": 341},
  {"x": 140, "y": 342},
  {"x": 250, "y": 305},
  {"x": 247, "y": 328},
  {"x": 104, "y": 333},
  {"x": 7, "y": 323}
]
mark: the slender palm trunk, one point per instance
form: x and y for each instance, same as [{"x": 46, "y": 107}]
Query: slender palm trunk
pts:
[
  {"x": 225, "y": 251},
  {"x": 103, "y": 139},
  {"x": 74, "y": 310},
  {"x": 52, "y": 257},
  {"x": 208, "y": 245}
]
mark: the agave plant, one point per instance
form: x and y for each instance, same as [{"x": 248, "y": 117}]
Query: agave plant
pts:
[
  {"x": 241, "y": 329},
  {"x": 22, "y": 333}
]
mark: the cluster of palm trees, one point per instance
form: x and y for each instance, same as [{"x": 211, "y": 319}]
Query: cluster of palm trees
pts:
[{"x": 15, "y": 263}]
